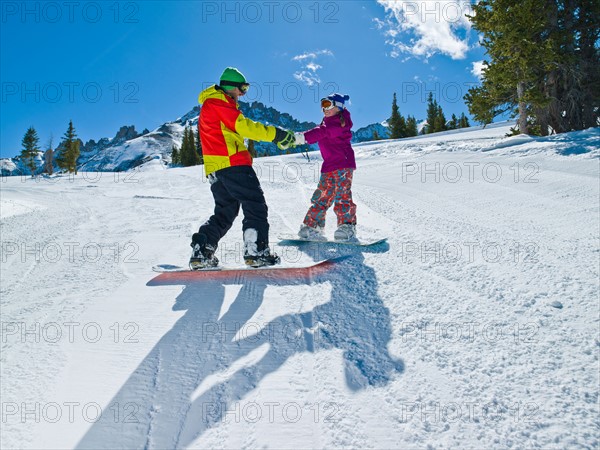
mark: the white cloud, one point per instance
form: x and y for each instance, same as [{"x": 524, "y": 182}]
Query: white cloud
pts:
[
  {"x": 306, "y": 77},
  {"x": 424, "y": 28},
  {"x": 380, "y": 24},
  {"x": 477, "y": 68},
  {"x": 312, "y": 55},
  {"x": 308, "y": 73}
]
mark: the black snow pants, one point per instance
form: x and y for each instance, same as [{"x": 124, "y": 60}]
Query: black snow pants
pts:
[{"x": 234, "y": 187}]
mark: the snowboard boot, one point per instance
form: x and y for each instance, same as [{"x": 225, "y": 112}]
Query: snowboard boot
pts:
[
  {"x": 255, "y": 257},
  {"x": 311, "y": 234},
  {"x": 345, "y": 232},
  {"x": 203, "y": 257},
  {"x": 263, "y": 258}
]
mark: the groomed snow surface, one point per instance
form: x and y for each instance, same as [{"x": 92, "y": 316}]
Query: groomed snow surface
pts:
[{"x": 475, "y": 327}]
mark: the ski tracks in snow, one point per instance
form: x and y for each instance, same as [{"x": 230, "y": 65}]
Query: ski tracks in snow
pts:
[
  {"x": 377, "y": 353},
  {"x": 497, "y": 304}
]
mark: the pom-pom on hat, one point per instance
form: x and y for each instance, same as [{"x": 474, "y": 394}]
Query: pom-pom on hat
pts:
[{"x": 338, "y": 100}]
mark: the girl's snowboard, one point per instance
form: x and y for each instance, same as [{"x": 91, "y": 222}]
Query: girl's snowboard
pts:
[{"x": 291, "y": 239}]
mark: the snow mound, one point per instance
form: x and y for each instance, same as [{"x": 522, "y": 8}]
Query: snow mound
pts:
[{"x": 511, "y": 141}]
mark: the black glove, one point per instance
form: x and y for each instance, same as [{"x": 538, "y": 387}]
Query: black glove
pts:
[{"x": 284, "y": 139}]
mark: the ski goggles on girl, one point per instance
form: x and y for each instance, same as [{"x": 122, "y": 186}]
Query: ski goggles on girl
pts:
[{"x": 327, "y": 104}]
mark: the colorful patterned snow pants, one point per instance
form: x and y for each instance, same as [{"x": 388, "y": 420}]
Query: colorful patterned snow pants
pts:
[{"x": 334, "y": 187}]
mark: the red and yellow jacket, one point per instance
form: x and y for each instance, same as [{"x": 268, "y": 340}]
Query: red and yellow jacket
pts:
[{"x": 222, "y": 129}]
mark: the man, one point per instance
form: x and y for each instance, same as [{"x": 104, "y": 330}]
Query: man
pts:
[{"x": 228, "y": 166}]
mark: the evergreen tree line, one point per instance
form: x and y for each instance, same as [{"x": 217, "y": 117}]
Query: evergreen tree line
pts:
[
  {"x": 436, "y": 119},
  {"x": 401, "y": 127},
  {"x": 190, "y": 153},
  {"x": 543, "y": 64},
  {"x": 66, "y": 158}
]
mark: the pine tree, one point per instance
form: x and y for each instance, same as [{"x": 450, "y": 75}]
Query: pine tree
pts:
[
  {"x": 503, "y": 25},
  {"x": 30, "y": 149},
  {"x": 375, "y": 136},
  {"x": 175, "y": 158},
  {"x": 396, "y": 122},
  {"x": 402, "y": 126},
  {"x": 439, "y": 121},
  {"x": 183, "y": 156},
  {"x": 411, "y": 126},
  {"x": 60, "y": 157},
  {"x": 464, "y": 121},
  {"x": 453, "y": 125},
  {"x": 185, "y": 149},
  {"x": 67, "y": 159},
  {"x": 189, "y": 152},
  {"x": 194, "y": 156},
  {"x": 432, "y": 111},
  {"x": 542, "y": 63}
]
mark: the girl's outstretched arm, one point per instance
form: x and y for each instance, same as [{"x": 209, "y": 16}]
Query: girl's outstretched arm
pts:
[{"x": 316, "y": 134}]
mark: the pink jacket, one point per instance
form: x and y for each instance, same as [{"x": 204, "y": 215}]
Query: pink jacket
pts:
[{"x": 334, "y": 142}]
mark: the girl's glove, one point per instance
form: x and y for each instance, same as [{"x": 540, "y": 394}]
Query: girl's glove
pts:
[{"x": 299, "y": 137}]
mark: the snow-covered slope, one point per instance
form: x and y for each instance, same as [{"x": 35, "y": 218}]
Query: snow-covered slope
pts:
[{"x": 476, "y": 327}]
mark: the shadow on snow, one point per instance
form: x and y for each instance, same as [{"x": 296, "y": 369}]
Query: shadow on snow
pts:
[{"x": 198, "y": 371}]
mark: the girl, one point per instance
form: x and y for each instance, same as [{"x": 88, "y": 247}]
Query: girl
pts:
[{"x": 333, "y": 136}]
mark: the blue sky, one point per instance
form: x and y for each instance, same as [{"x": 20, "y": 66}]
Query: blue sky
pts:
[{"x": 108, "y": 64}]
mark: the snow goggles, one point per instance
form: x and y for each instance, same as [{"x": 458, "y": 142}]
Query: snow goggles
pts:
[
  {"x": 241, "y": 86},
  {"x": 326, "y": 104}
]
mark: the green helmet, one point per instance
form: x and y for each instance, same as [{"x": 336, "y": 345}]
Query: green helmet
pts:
[{"x": 232, "y": 78}]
